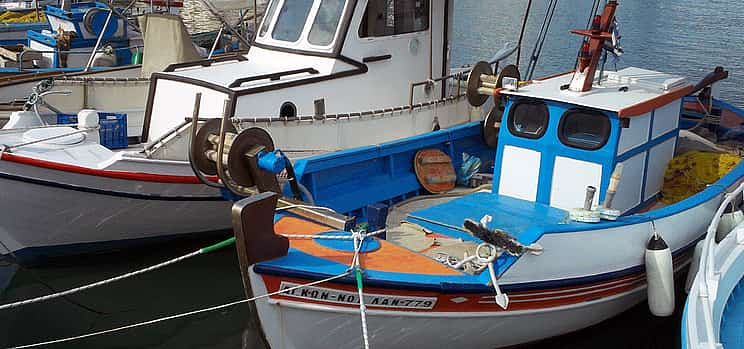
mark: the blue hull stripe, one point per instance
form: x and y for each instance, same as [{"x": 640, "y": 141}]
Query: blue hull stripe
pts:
[{"x": 445, "y": 287}]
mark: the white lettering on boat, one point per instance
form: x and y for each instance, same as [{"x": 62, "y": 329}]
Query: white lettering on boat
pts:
[{"x": 347, "y": 297}]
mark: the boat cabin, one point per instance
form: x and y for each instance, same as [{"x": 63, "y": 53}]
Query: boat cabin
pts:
[
  {"x": 555, "y": 142},
  {"x": 312, "y": 58}
]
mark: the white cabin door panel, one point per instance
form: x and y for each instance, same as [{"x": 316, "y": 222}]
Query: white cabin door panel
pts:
[
  {"x": 570, "y": 179},
  {"x": 520, "y": 171}
]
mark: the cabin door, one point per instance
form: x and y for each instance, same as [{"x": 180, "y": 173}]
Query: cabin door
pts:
[{"x": 398, "y": 46}]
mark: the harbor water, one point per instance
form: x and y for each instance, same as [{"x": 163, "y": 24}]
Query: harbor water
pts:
[{"x": 684, "y": 37}]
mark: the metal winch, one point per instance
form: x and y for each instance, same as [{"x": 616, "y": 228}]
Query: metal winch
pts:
[
  {"x": 246, "y": 162},
  {"x": 482, "y": 84}
]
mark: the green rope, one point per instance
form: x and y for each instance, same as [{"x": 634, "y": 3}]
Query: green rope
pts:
[
  {"x": 218, "y": 245},
  {"x": 359, "y": 277}
]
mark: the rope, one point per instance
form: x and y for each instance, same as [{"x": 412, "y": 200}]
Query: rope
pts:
[
  {"x": 358, "y": 238},
  {"x": 177, "y": 316},
  {"x": 120, "y": 277},
  {"x": 542, "y": 35},
  {"x": 354, "y": 266},
  {"x": 333, "y": 237},
  {"x": 203, "y": 250},
  {"x": 521, "y": 32}
]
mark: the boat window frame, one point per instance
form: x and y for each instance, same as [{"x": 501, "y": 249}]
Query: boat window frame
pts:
[
  {"x": 303, "y": 45},
  {"x": 424, "y": 31},
  {"x": 510, "y": 119},
  {"x": 606, "y": 132}
]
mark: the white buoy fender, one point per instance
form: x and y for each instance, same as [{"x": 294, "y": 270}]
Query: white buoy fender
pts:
[
  {"x": 87, "y": 118},
  {"x": 727, "y": 223},
  {"x": 660, "y": 277},
  {"x": 694, "y": 265}
]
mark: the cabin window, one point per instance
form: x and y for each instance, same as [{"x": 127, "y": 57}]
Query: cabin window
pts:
[
  {"x": 584, "y": 129},
  {"x": 326, "y": 22},
  {"x": 292, "y": 17},
  {"x": 391, "y": 17},
  {"x": 268, "y": 18},
  {"x": 528, "y": 119},
  {"x": 288, "y": 110}
]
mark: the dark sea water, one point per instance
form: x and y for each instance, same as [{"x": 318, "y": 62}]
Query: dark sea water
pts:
[{"x": 681, "y": 36}]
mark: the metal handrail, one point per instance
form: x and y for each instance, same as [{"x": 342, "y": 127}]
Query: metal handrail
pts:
[
  {"x": 20, "y": 55},
  {"x": 706, "y": 271},
  {"x": 495, "y": 60}
]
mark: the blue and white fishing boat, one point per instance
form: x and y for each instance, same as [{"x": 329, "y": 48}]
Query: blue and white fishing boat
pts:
[
  {"x": 88, "y": 35},
  {"x": 15, "y": 33},
  {"x": 572, "y": 231},
  {"x": 714, "y": 312}
]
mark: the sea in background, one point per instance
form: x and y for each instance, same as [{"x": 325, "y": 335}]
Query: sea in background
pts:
[{"x": 682, "y": 36}]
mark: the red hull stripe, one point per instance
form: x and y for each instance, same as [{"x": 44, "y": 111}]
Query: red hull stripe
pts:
[
  {"x": 132, "y": 176},
  {"x": 474, "y": 303}
]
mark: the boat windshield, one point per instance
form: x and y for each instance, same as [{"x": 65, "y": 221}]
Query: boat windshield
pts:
[{"x": 302, "y": 24}]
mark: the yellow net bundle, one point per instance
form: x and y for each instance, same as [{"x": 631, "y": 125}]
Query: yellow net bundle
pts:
[
  {"x": 691, "y": 172},
  {"x": 21, "y": 17}
]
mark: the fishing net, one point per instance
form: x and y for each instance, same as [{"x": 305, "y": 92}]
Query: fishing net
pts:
[
  {"x": 21, "y": 17},
  {"x": 693, "y": 171}
]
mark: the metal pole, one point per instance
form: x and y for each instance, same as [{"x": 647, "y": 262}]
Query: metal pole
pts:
[
  {"x": 255, "y": 17},
  {"x": 216, "y": 40},
  {"x": 100, "y": 38},
  {"x": 222, "y": 19}
]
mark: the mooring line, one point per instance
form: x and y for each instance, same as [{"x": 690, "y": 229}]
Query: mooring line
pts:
[
  {"x": 171, "y": 317},
  {"x": 207, "y": 249},
  {"x": 200, "y": 251},
  {"x": 354, "y": 267}
]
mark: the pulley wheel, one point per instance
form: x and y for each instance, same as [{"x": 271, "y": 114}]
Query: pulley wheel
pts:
[
  {"x": 491, "y": 125},
  {"x": 200, "y": 144},
  {"x": 244, "y": 142},
  {"x": 474, "y": 82}
]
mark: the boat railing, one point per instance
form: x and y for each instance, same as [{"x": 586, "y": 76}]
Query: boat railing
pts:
[
  {"x": 238, "y": 56},
  {"x": 460, "y": 75},
  {"x": 708, "y": 285},
  {"x": 88, "y": 52},
  {"x": 344, "y": 116}
]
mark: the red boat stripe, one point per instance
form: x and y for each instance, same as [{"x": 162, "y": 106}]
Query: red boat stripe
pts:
[{"x": 133, "y": 176}]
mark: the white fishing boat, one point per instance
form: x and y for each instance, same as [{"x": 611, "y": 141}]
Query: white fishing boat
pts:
[
  {"x": 714, "y": 312},
  {"x": 304, "y": 53},
  {"x": 586, "y": 217}
]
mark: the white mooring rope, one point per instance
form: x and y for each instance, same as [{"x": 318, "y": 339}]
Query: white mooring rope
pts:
[
  {"x": 164, "y": 264},
  {"x": 357, "y": 237},
  {"x": 99, "y": 283}
]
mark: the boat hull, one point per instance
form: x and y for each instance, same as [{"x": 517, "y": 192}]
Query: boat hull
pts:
[
  {"x": 601, "y": 274},
  {"x": 47, "y": 213},
  {"x": 289, "y": 324}
]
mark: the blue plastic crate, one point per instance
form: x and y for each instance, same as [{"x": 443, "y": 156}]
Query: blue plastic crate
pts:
[{"x": 113, "y": 128}]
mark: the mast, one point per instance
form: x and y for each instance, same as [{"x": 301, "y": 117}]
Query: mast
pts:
[{"x": 591, "y": 48}]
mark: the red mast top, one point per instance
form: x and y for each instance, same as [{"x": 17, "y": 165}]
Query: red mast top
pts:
[{"x": 591, "y": 49}]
